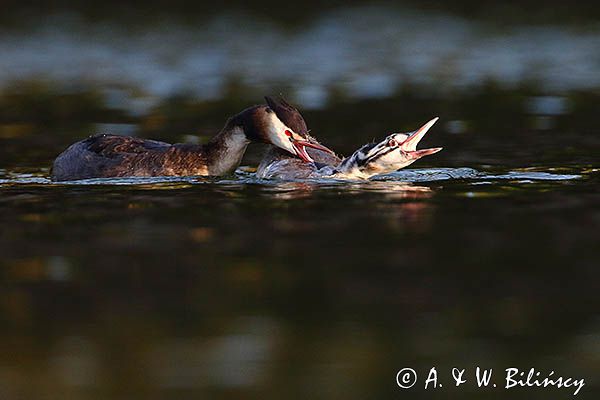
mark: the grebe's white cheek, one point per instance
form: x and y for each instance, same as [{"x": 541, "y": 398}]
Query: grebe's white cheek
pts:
[
  {"x": 392, "y": 159},
  {"x": 391, "y": 162},
  {"x": 392, "y": 166},
  {"x": 276, "y": 132}
]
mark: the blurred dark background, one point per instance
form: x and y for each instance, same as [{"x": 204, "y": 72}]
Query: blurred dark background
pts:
[
  {"x": 175, "y": 71},
  {"x": 225, "y": 289}
]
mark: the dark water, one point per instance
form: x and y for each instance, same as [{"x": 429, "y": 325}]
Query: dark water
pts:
[
  {"x": 243, "y": 287},
  {"x": 485, "y": 254}
]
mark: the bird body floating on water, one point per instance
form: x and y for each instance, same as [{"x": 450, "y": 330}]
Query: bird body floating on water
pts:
[{"x": 107, "y": 156}]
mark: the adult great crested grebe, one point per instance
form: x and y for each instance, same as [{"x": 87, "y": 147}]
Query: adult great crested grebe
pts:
[
  {"x": 106, "y": 156},
  {"x": 396, "y": 151}
]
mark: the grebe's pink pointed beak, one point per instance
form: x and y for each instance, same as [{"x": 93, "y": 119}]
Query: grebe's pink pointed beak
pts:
[
  {"x": 410, "y": 144},
  {"x": 301, "y": 145}
]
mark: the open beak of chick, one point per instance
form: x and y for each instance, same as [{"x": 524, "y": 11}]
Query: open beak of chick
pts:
[{"x": 409, "y": 146}]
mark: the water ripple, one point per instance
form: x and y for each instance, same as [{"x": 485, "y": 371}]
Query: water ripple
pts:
[{"x": 424, "y": 175}]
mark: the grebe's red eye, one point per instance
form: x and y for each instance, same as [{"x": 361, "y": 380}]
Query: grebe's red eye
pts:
[
  {"x": 288, "y": 133},
  {"x": 392, "y": 143}
]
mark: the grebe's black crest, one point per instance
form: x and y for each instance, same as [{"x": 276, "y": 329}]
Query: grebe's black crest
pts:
[
  {"x": 312, "y": 150},
  {"x": 288, "y": 114}
]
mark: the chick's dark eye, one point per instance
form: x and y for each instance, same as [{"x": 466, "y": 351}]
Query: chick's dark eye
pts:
[{"x": 392, "y": 143}]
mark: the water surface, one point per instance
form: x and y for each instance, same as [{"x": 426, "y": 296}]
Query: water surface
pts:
[{"x": 237, "y": 285}]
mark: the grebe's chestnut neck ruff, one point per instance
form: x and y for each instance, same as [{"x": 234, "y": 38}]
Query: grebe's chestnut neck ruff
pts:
[{"x": 104, "y": 156}]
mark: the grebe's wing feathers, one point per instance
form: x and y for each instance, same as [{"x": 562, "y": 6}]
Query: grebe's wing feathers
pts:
[
  {"x": 323, "y": 157},
  {"x": 114, "y": 145},
  {"x": 286, "y": 168}
]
